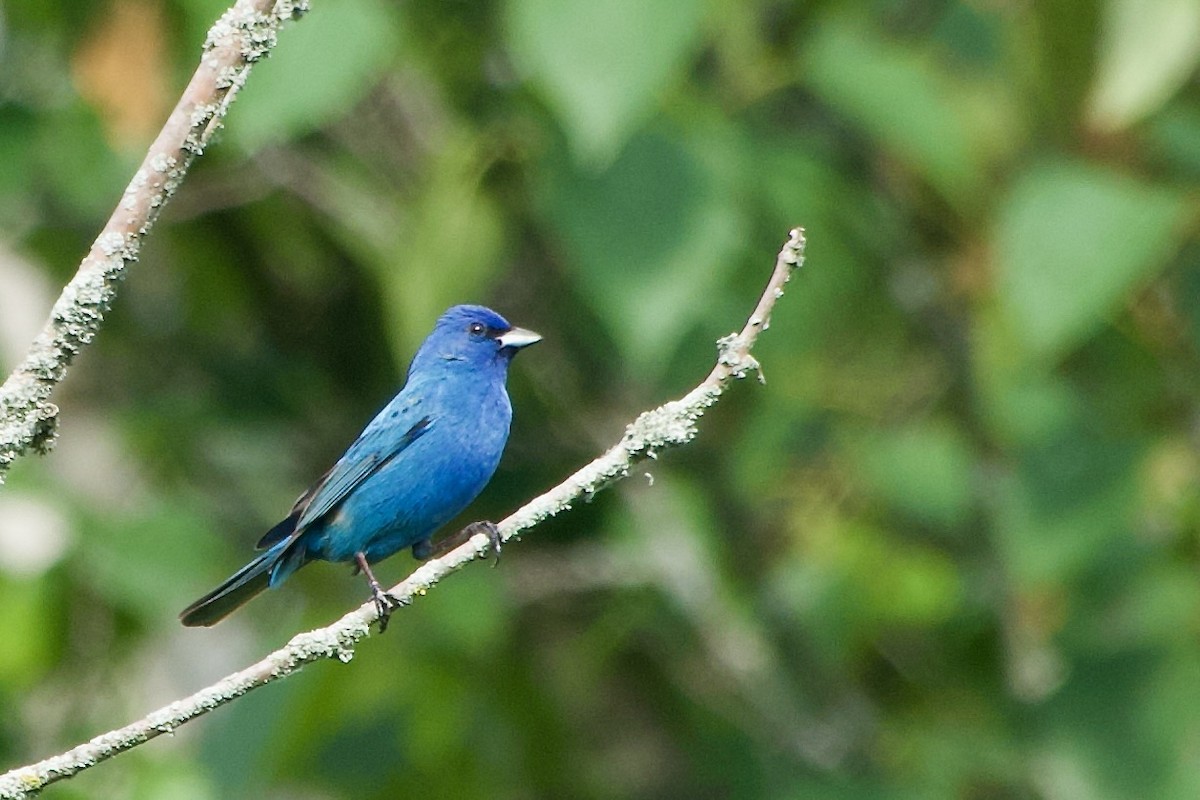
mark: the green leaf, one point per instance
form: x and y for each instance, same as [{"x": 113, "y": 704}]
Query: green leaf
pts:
[
  {"x": 917, "y": 109},
  {"x": 602, "y": 66},
  {"x": 853, "y": 579},
  {"x": 1019, "y": 405},
  {"x": 133, "y": 561},
  {"x": 649, "y": 240},
  {"x": 924, "y": 469},
  {"x": 318, "y": 71},
  {"x": 1173, "y": 140},
  {"x": 445, "y": 250},
  {"x": 74, "y": 165},
  {"x": 1069, "y": 504},
  {"x": 1072, "y": 241},
  {"x": 29, "y": 612},
  {"x": 1147, "y": 51},
  {"x": 18, "y": 129}
]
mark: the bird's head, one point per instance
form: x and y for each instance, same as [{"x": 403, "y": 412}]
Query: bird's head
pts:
[{"x": 474, "y": 336}]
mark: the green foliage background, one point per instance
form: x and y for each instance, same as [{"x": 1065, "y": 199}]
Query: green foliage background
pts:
[{"x": 949, "y": 550}]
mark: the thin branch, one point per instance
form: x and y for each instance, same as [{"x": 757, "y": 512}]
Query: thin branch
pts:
[
  {"x": 245, "y": 34},
  {"x": 669, "y": 425}
]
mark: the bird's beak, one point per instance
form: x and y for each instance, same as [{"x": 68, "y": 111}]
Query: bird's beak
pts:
[{"x": 517, "y": 338}]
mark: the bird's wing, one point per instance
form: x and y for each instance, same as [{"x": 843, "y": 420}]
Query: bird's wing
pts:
[
  {"x": 286, "y": 526},
  {"x": 337, "y": 484}
]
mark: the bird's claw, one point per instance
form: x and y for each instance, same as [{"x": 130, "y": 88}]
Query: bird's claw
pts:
[
  {"x": 426, "y": 550},
  {"x": 385, "y": 604}
]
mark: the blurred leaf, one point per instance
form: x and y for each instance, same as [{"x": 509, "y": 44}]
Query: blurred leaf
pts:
[
  {"x": 897, "y": 581},
  {"x": 444, "y": 253},
  {"x": 1157, "y": 605},
  {"x": 1174, "y": 137},
  {"x": 850, "y": 580},
  {"x": 950, "y": 745},
  {"x": 648, "y": 240},
  {"x": 1020, "y": 406},
  {"x": 1059, "y": 51},
  {"x": 318, "y": 71},
  {"x": 29, "y": 630},
  {"x": 1056, "y": 519},
  {"x": 1147, "y": 51},
  {"x": 173, "y": 778},
  {"x": 1167, "y": 717},
  {"x": 17, "y": 132},
  {"x": 602, "y": 66},
  {"x": 1025, "y": 411},
  {"x": 256, "y": 733},
  {"x": 134, "y": 562},
  {"x": 76, "y": 166},
  {"x": 925, "y": 469},
  {"x": 917, "y": 109},
  {"x": 471, "y": 618},
  {"x": 841, "y": 788},
  {"x": 1071, "y": 242},
  {"x": 1111, "y": 707},
  {"x": 801, "y": 184}
]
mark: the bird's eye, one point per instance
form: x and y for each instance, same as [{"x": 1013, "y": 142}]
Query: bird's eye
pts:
[{"x": 476, "y": 328}]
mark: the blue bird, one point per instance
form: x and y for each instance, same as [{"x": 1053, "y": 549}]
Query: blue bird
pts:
[{"x": 424, "y": 457}]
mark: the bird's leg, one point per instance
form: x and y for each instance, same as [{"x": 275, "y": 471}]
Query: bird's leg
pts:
[
  {"x": 384, "y": 602},
  {"x": 426, "y": 550}
]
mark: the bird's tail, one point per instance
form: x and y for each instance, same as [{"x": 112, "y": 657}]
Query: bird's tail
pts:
[{"x": 236, "y": 590}]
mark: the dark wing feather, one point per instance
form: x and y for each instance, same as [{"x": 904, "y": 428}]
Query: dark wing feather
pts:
[
  {"x": 284, "y": 529},
  {"x": 337, "y": 484}
]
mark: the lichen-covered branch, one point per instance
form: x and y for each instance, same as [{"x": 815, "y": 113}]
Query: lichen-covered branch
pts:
[
  {"x": 669, "y": 425},
  {"x": 242, "y": 36}
]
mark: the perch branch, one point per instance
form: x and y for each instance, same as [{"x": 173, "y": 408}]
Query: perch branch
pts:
[
  {"x": 245, "y": 34},
  {"x": 669, "y": 425}
]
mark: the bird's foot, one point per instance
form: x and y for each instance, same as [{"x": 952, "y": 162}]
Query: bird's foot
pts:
[
  {"x": 385, "y": 604},
  {"x": 427, "y": 550},
  {"x": 488, "y": 529}
]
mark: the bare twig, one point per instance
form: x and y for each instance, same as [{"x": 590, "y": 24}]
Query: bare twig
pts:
[
  {"x": 244, "y": 35},
  {"x": 669, "y": 425}
]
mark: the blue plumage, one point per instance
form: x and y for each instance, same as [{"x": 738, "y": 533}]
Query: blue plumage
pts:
[{"x": 419, "y": 462}]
